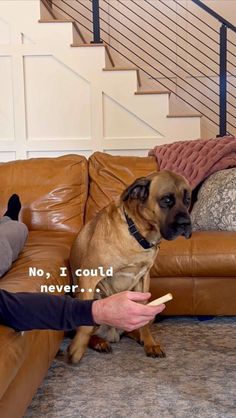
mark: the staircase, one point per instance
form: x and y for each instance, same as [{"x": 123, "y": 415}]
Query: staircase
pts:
[
  {"x": 62, "y": 95},
  {"x": 184, "y": 46}
]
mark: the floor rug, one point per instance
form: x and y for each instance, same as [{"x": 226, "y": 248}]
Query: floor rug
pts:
[{"x": 197, "y": 379}]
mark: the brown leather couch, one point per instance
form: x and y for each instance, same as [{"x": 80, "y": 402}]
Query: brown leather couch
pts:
[{"x": 58, "y": 196}]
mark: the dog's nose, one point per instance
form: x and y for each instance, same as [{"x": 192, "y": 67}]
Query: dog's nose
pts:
[{"x": 183, "y": 219}]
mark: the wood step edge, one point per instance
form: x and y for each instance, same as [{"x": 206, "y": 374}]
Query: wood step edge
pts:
[
  {"x": 184, "y": 115},
  {"x": 56, "y": 21},
  {"x": 120, "y": 69},
  {"x": 143, "y": 92},
  {"x": 85, "y": 44}
]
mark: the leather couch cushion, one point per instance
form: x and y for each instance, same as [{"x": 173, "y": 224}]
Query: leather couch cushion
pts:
[
  {"x": 53, "y": 191},
  {"x": 196, "y": 295},
  {"x": 44, "y": 250},
  {"x": 206, "y": 254},
  {"x": 109, "y": 175},
  {"x": 40, "y": 347}
]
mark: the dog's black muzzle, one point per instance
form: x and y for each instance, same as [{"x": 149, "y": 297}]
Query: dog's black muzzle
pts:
[
  {"x": 183, "y": 225},
  {"x": 180, "y": 226}
]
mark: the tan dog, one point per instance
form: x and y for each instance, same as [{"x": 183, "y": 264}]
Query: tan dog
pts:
[{"x": 126, "y": 235}]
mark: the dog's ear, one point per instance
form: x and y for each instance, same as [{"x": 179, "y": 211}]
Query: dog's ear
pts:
[{"x": 137, "y": 190}]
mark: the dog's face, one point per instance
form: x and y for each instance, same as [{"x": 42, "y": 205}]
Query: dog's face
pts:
[{"x": 163, "y": 199}]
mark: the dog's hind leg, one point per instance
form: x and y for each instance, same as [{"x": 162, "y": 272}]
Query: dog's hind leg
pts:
[
  {"x": 144, "y": 337},
  {"x": 151, "y": 347}
]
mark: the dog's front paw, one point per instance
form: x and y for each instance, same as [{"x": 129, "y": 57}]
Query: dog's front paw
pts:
[
  {"x": 99, "y": 344},
  {"x": 74, "y": 353},
  {"x": 154, "y": 350}
]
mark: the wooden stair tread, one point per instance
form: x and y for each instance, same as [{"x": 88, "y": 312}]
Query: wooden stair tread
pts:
[
  {"x": 87, "y": 45},
  {"x": 184, "y": 115},
  {"x": 56, "y": 21},
  {"x": 142, "y": 92},
  {"x": 121, "y": 69}
]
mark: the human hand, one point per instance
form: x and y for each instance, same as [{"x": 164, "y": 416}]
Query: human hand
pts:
[{"x": 121, "y": 310}]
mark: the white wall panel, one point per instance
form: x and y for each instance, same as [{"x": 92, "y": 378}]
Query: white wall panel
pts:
[
  {"x": 7, "y": 156},
  {"x": 121, "y": 123},
  {"x": 6, "y": 99},
  {"x": 42, "y": 154},
  {"x": 4, "y": 32},
  {"x": 26, "y": 40},
  {"x": 131, "y": 152},
  {"x": 57, "y": 100}
]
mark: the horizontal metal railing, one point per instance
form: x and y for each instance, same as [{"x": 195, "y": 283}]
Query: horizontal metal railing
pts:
[{"x": 192, "y": 56}]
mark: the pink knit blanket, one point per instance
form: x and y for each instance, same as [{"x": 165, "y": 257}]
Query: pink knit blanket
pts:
[{"x": 198, "y": 159}]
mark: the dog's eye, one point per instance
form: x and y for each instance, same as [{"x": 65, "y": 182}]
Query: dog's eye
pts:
[
  {"x": 167, "y": 201},
  {"x": 187, "y": 198},
  {"x": 187, "y": 201}
]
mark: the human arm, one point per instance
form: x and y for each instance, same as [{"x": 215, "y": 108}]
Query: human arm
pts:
[{"x": 26, "y": 311}]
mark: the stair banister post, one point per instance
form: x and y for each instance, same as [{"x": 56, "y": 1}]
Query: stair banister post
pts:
[
  {"x": 96, "y": 23},
  {"x": 223, "y": 80}
]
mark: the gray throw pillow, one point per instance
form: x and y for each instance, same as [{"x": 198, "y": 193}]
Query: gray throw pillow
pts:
[{"x": 215, "y": 208}]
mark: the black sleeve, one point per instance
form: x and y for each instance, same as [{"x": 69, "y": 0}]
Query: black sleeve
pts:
[{"x": 26, "y": 311}]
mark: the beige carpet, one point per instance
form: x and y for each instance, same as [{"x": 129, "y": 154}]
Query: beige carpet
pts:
[{"x": 196, "y": 379}]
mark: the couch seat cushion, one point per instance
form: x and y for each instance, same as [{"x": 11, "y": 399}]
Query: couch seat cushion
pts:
[
  {"x": 206, "y": 254},
  {"x": 44, "y": 250}
]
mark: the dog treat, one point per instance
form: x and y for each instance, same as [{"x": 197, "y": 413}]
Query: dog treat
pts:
[{"x": 161, "y": 300}]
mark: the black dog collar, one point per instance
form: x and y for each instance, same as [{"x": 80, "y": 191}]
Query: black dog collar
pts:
[{"x": 136, "y": 234}]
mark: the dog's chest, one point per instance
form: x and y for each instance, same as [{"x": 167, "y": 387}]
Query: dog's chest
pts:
[{"x": 126, "y": 277}]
